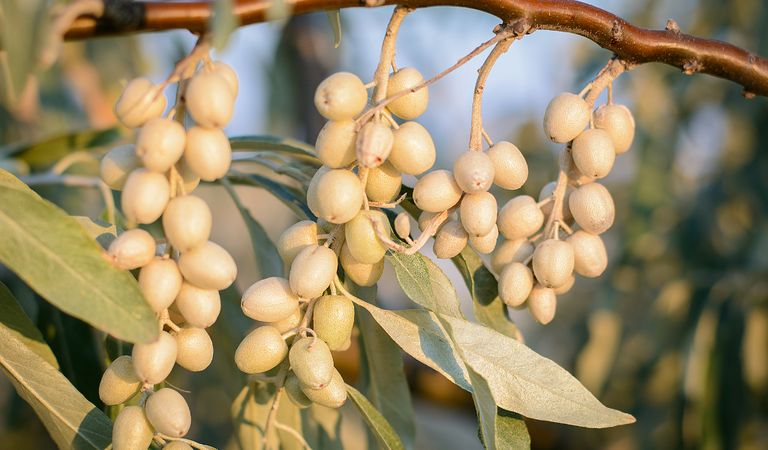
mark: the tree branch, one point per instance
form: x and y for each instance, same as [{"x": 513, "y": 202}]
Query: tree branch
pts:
[{"x": 632, "y": 44}]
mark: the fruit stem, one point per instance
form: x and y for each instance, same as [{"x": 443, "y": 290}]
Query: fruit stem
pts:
[
  {"x": 615, "y": 67},
  {"x": 294, "y": 433},
  {"x": 381, "y": 75},
  {"x": 559, "y": 193},
  {"x": 428, "y": 232},
  {"x": 307, "y": 317},
  {"x": 388, "y": 205},
  {"x": 476, "y": 127},
  {"x": 279, "y": 382},
  {"x": 486, "y": 137}
]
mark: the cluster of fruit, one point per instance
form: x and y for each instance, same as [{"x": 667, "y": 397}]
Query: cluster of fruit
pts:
[{"x": 185, "y": 272}]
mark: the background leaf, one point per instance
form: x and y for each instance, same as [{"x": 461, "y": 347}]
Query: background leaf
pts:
[
  {"x": 322, "y": 427},
  {"x": 100, "y": 231},
  {"x": 223, "y": 23},
  {"x": 13, "y": 318},
  {"x": 335, "y": 17},
  {"x": 41, "y": 155},
  {"x": 249, "y": 412},
  {"x": 274, "y": 143},
  {"x": 376, "y": 422},
  {"x": 291, "y": 198},
  {"x": 424, "y": 283}
]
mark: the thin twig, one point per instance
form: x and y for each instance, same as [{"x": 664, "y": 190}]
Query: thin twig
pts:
[
  {"x": 476, "y": 128},
  {"x": 294, "y": 433},
  {"x": 428, "y": 232}
]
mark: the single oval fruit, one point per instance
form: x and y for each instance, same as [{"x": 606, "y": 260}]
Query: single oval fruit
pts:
[
  {"x": 228, "y": 73},
  {"x": 210, "y": 100},
  {"x": 592, "y": 207},
  {"x": 590, "y": 258},
  {"x": 154, "y": 361},
  {"x": 520, "y": 218},
  {"x": 313, "y": 271},
  {"x": 187, "y": 222},
  {"x": 269, "y": 300},
  {"x": 485, "y": 244},
  {"x": 542, "y": 304},
  {"x": 436, "y": 191},
  {"x": 412, "y": 105},
  {"x": 510, "y": 171},
  {"x": 450, "y": 240},
  {"x": 295, "y": 394},
  {"x": 339, "y": 196},
  {"x": 200, "y": 307},
  {"x": 553, "y": 263},
  {"x": 361, "y": 236},
  {"x": 289, "y": 323},
  {"x": 208, "y": 266},
  {"x": 403, "y": 225},
  {"x": 473, "y": 172},
  {"x": 566, "y": 116},
  {"x": 312, "y": 194},
  {"x": 373, "y": 144},
  {"x": 617, "y": 120},
  {"x": 566, "y": 287},
  {"x": 332, "y": 396},
  {"x": 160, "y": 282},
  {"x": 362, "y": 274},
  {"x": 119, "y": 382},
  {"x": 333, "y": 319},
  {"x": 413, "y": 151},
  {"x": 117, "y": 164},
  {"x": 312, "y": 362},
  {"x": 383, "y": 183},
  {"x": 263, "y": 349},
  {"x": 478, "y": 213},
  {"x": 515, "y": 284},
  {"x": 294, "y": 239},
  {"x": 145, "y": 196},
  {"x": 335, "y": 145},
  {"x": 132, "y": 249},
  {"x": 593, "y": 153},
  {"x": 513, "y": 250},
  {"x": 132, "y": 430},
  {"x": 139, "y": 103},
  {"x": 194, "y": 348},
  {"x": 177, "y": 445},
  {"x": 169, "y": 413},
  {"x": 341, "y": 96},
  {"x": 160, "y": 143},
  {"x": 208, "y": 152}
]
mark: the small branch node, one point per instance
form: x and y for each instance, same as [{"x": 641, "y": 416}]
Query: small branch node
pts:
[
  {"x": 692, "y": 66},
  {"x": 672, "y": 26}
]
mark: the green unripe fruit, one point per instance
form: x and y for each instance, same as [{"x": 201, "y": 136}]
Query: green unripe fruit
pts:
[
  {"x": 160, "y": 282},
  {"x": 411, "y": 105},
  {"x": 593, "y": 153},
  {"x": 332, "y": 320},
  {"x": 295, "y": 394},
  {"x": 160, "y": 143},
  {"x": 313, "y": 271},
  {"x": 403, "y": 225},
  {"x": 210, "y": 100},
  {"x": 194, "y": 348},
  {"x": 294, "y": 239},
  {"x": 208, "y": 152},
  {"x": 139, "y": 103},
  {"x": 436, "y": 191},
  {"x": 515, "y": 284},
  {"x": 119, "y": 382},
  {"x": 208, "y": 266},
  {"x": 485, "y": 244},
  {"x": 339, "y": 196},
  {"x": 478, "y": 213},
  {"x": 510, "y": 171},
  {"x": 132, "y": 249},
  {"x": 590, "y": 258},
  {"x": 132, "y": 430},
  {"x": 516, "y": 250},
  {"x": 145, "y": 196},
  {"x": 542, "y": 303},
  {"x": 450, "y": 240},
  {"x": 384, "y": 183},
  {"x": 312, "y": 195},
  {"x": 413, "y": 151},
  {"x": 553, "y": 263},
  {"x": 153, "y": 362},
  {"x": 341, "y": 96},
  {"x": 374, "y": 143},
  {"x": 200, "y": 307},
  {"x": 520, "y": 218},
  {"x": 617, "y": 120},
  {"x": 169, "y": 413},
  {"x": 425, "y": 217},
  {"x": 547, "y": 191},
  {"x": 592, "y": 207},
  {"x": 187, "y": 222},
  {"x": 566, "y": 116},
  {"x": 312, "y": 362},
  {"x": 263, "y": 349},
  {"x": 289, "y": 323},
  {"x": 473, "y": 172},
  {"x": 566, "y": 287},
  {"x": 228, "y": 73},
  {"x": 362, "y": 274},
  {"x": 335, "y": 145},
  {"x": 361, "y": 236},
  {"x": 117, "y": 164},
  {"x": 269, "y": 300},
  {"x": 332, "y": 396}
]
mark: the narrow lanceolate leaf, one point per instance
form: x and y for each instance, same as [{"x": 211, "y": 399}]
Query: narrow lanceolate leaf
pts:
[
  {"x": 294, "y": 200},
  {"x": 276, "y": 144},
  {"x": 376, "y": 422},
  {"x": 73, "y": 422},
  {"x": 41, "y": 155},
  {"x": 335, "y": 17},
  {"x": 13, "y": 318},
  {"x": 249, "y": 413},
  {"x": 424, "y": 283},
  {"x": 52, "y": 253},
  {"x": 223, "y": 23}
]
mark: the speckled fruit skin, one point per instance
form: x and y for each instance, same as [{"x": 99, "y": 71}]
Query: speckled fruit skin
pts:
[
  {"x": 154, "y": 361},
  {"x": 169, "y": 413},
  {"x": 553, "y": 263},
  {"x": 119, "y": 382},
  {"x": 411, "y": 105},
  {"x": 617, "y": 120},
  {"x": 384, "y": 183},
  {"x": 194, "y": 348},
  {"x": 132, "y": 249},
  {"x": 590, "y": 257},
  {"x": 361, "y": 236},
  {"x": 208, "y": 266},
  {"x": 260, "y": 351},
  {"x": 593, "y": 153},
  {"x": 294, "y": 239},
  {"x": 510, "y": 171},
  {"x": 450, "y": 240},
  {"x": 592, "y": 207},
  {"x": 515, "y": 283},
  {"x": 341, "y": 96},
  {"x": 520, "y": 218},
  {"x": 374, "y": 144},
  {"x": 478, "y": 213},
  {"x": 132, "y": 430},
  {"x": 200, "y": 307},
  {"x": 160, "y": 282},
  {"x": 362, "y": 274},
  {"x": 333, "y": 319},
  {"x": 339, "y": 196},
  {"x": 295, "y": 394},
  {"x": 510, "y": 250},
  {"x": 542, "y": 304},
  {"x": 566, "y": 116},
  {"x": 436, "y": 191},
  {"x": 331, "y": 396},
  {"x": 485, "y": 244},
  {"x": 313, "y": 271},
  {"x": 473, "y": 172},
  {"x": 335, "y": 145},
  {"x": 312, "y": 362},
  {"x": 269, "y": 300},
  {"x": 413, "y": 151}
]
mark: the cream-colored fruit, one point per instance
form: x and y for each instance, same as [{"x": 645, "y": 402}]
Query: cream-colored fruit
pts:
[
  {"x": 617, "y": 120},
  {"x": 335, "y": 145},
  {"x": 592, "y": 207},
  {"x": 515, "y": 284},
  {"x": 260, "y": 351},
  {"x": 132, "y": 249},
  {"x": 411, "y": 105},
  {"x": 208, "y": 266},
  {"x": 138, "y": 103},
  {"x": 473, "y": 172},
  {"x": 403, "y": 225},
  {"x": 312, "y": 362},
  {"x": 566, "y": 287},
  {"x": 210, "y": 100},
  {"x": 374, "y": 143},
  {"x": 426, "y": 217},
  {"x": 520, "y": 218},
  {"x": 436, "y": 191},
  {"x": 333, "y": 319},
  {"x": 590, "y": 258},
  {"x": 361, "y": 237},
  {"x": 312, "y": 194},
  {"x": 208, "y": 152},
  {"x": 119, "y": 382},
  {"x": 117, "y": 164},
  {"x": 228, "y": 73},
  {"x": 177, "y": 445},
  {"x": 578, "y": 177},
  {"x": 362, "y": 274},
  {"x": 547, "y": 191},
  {"x": 450, "y": 240},
  {"x": 413, "y": 151},
  {"x": 478, "y": 213},
  {"x": 154, "y": 361},
  {"x": 194, "y": 348},
  {"x": 294, "y": 239},
  {"x": 295, "y": 394},
  {"x": 513, "y": 250},
  {"x": 542, "y": 303},
  {"x": 160, "y": 282},
  {"x": 269, "y": 300},
  {"x": 339, "y": 196},
  {"x": 169, "y": 413},
  {"x": 341, "y": 96},
  {"x": 332, "y": 396},
  {"x": 187, "y": 222},
  {"x": 384, "y": 183},
  {"x": 485, "y": 244},
  {"x": 289, "y": 323},
  {"x": 200, "y": 307},
  {"x": 145, "y": 196},
  {"x": 593, "y": 152},
  {"x": 510, "y": 171},
  {"x": 566, "y": 116},
  {"x": 553, "y": 263},
  {"x": 160, "y": 143},
  {"x": 312, "y": 271},
  {"x": 132, "y": 430},
  {"x": 189, "y": 179}
]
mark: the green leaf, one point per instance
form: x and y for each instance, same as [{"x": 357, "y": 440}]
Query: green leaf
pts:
[
  {"x": 249, "y": 411},
  {"x": 223, "y": 23},
  {"x": 376, "y": 422},
  {"x": 24, "y": 28},
  {"x": 292, "y": 199},
  {"x": 13, "y": 318},
  {"x": 322, "y": 427},
  {"x": 488, "y": 308},
  {"x": 8, "y": 178},
  {"x": 335, "y": 17},
  {"x": 290, "y": 146},
  {"x": 41, "y": 155},
  {"x": 52, "y": 253},
  {"x": 100, "y": 231},
  {"x": 73, "y": 422},
  {"x": 424, "y": 283}
]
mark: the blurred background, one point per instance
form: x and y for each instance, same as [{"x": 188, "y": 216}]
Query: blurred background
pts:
[{"x": 675, "y": 331}]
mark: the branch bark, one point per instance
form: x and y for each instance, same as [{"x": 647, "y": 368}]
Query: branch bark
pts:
[{"x": 633, "y": 44}]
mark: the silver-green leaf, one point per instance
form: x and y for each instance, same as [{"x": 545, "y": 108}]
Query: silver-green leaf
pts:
[
  {"x": 424, "y": 283},
  {"x": 13, "y": 318},
  {"x": 376, "y": 422}
]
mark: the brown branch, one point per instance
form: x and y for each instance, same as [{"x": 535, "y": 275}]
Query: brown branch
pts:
[{"x": 632, "y": 44}]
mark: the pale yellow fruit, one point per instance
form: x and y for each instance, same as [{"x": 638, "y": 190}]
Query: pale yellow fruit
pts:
[
  {"x": 590, "y": 258},
  {"x": 200, "y": 307},
  {"x": 547, "y": 191},
  {"x": 403, "y": 225},
  {"x": 413, "y": 151},
  {"x": 333, "y": 319},
  {"x": 312, "y": 194},
  {"x": 592, "y": 207},
  {"x": 177, "y": 445},
  {"x": 260, "y": 351},
  {"x": 189, "y": 179},
  {"x": 617, "y": 120},
  {"x": 478, "y": 213},
  {"x": 411, "y": 105},
  {"x": 542, "y": 303},
  {"x": 294, "y": 239},
  {"x": 335, "y": 145},
  {"x": 138, "y": 103},
  {"x": 145, "y": 196},
  {"x": 289, "y": 323},
  {"x": 485, "y": 244},
  {"x": 510, "y": 171},
  {"x": 473, "y": 172},
  {"x": 312, "y": 362},
  {"x": 160, "y": 143},
  {"x": 520, "y": 218},
  {"x": 566, "y": 116},
  {"x": 295, "y": 394},
  {"x": 208, "y": 266},
  {"x": 160, "y": 282},
  {"x": 117, "y": 164},
  {"x": 450, "y": 240},
  {"x": 426, "y": 217},
  {"x": 132, "y": 249},
  {"x": 208, "y": 152},
  {"x": 154, "y": 361},
  {"x": 339, "y": 196},
  {"x": 187, "y": 222},
  {"x": 210, "y": 100},
  {"x": 578, "y": 177},
  {"x": 361, "y": 236},
  {"x": 269, "y": 300},
  {"x": 513, "y": 250},
  {"x": 362, "y": 274},
  {"x": 332, "y": 396},
  {"x": 515, "y": 284},
  {"x": 312, "y": 271},
  {"x": 119, "y": 382},
  {"x": 194, "y": 348},
  {"x": 566, "y": 287},
  {"x": 384, "y": 183},
  {"x": 132, "y": 430},
  {"x": 341, "y": 96},
  {"x": 436, "y": 191},
  {"x": 553, "y": 263},
  {"x": 169, "y": 413},
  {"x": 374, "y": 143},
  {"x": 228, "y": 73},
  {"x": 593, "y": 153}
]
